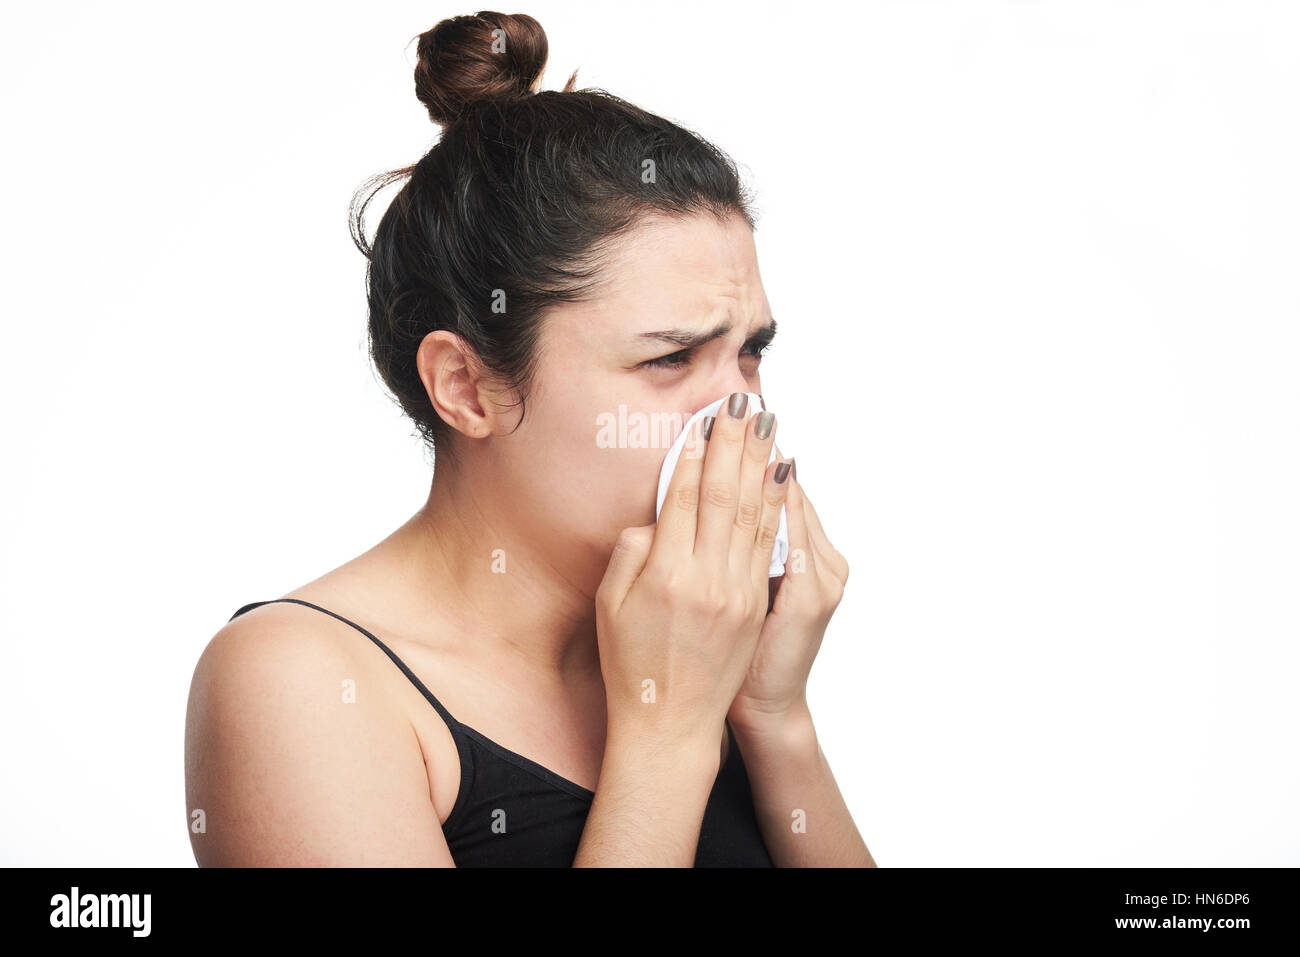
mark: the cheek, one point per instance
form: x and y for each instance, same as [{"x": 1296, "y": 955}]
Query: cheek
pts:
[
  {"x": 617, "y": 489},
  {"x": 638, "y": 477},
  {"x": 601, "y": 441},
  {"x": 592, "y": 481}
]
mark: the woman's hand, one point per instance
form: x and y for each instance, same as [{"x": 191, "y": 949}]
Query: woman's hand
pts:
[
  {"x": 678, "y": 615},
  {"x": 805, "y": 598},
  {"x": 682, "y": 603}
]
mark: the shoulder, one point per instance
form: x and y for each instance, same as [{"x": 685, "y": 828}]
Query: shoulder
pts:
[
  {"x": 295, "y": 756},
  {"x": 275, "y": 643},
  {"x": 274, "y": 662}
]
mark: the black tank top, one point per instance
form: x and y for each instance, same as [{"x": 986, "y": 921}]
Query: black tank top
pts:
[{"x": 513, "y": 812}]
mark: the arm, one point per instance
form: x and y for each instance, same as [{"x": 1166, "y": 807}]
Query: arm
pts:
[
  {"x": 286, "y": 773},
  {"x": 678, "y": 615},
  {"x": 800, "y": 810},
  {"x": 649, "y": 802}
]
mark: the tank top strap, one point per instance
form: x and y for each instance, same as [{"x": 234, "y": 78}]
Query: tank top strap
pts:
[{"x": 452, "y": 723}]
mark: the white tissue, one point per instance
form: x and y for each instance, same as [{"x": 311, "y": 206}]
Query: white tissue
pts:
[{"x": 781, "y": 550}]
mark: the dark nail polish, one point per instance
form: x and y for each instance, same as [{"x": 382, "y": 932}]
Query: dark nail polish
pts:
[
  {"x": 763, "y": 425},
  {"x": 782, "y": 470},
  {"x": 794, "y": 468},
  {"x": 706, "y": 427},
  {"x": 736, "y": 406}
]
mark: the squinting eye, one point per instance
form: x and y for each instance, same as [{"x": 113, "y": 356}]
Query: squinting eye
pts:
[
  {"x": 678, "y": 359},
  {"x": 670, "y": 361}
]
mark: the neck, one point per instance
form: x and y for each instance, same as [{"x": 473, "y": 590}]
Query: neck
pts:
[{"x": 503, "y": 586}]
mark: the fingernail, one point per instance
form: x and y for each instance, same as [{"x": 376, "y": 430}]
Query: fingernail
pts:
[
  {"x": 782, "y": 470},
  {"x": 761, "y": 404},
  {"x": 707, "y": 427},
  {"x": 794, "y": 469},
  {"x": 736, "y": 407},
  {"x": 763, "y": 425}
]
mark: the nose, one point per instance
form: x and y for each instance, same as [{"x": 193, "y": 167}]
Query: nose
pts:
[
  {"x": 721, "y": 391},
  {"x": 733, "y": 381}
]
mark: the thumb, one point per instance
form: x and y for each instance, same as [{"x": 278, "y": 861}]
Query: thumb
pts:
[{"x": 626, "y": 562}]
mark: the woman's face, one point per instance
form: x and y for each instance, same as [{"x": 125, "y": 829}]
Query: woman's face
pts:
[{"x": 618, "y": 378}]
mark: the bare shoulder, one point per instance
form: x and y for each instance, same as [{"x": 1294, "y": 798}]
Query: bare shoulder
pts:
[
  {"x": 288, "y": 765},
  {"x": 279, "y": 644}
]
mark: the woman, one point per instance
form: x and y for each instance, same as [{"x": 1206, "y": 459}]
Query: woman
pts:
[{"x": 610, "y": 690}]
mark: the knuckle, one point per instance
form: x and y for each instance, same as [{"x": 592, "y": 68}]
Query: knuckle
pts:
[
  {"x": 775, "y": 495},
  {"x": 747, "y": 515},
  {"x": 765, "y": 540},
  {"x": 728, "y": 434},
  {"x": 606, "y": 610},
  {"x": 712, "y": 598},
  {"x": 664, "y": 579},
  {"x": 720, "y": 494},
  {"x": 686, "y": 497},
  {"x": 831, "y": 594},
  {"x": 628, "y": 541}
]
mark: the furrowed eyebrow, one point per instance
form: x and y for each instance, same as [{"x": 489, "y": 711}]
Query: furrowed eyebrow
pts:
[{"x": 684, "y": 339}]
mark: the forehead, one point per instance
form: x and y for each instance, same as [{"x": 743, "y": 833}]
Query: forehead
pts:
[{"x": 687, "y": 271}]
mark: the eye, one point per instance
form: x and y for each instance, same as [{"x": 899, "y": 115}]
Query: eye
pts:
[{"x": 674, "y": 360}]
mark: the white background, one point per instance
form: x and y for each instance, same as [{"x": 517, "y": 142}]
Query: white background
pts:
[{"x": 1034, "y": 265}]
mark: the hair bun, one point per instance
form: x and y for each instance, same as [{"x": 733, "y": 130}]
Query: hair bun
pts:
[{"x": 468, "y": 58}]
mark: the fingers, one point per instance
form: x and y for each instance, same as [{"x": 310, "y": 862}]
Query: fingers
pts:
[
  {"x": 720, "y": 482},
  {"x": 774, "y": 495},
  {"x": 815, "y": 534},
  {"x": 631, "y": 551},
  {"x": 753, "y": 475},
  {"x": 796, "y": 526},
  {"x": 826, "y": 552},
  {"x": 674, "y": 537}
]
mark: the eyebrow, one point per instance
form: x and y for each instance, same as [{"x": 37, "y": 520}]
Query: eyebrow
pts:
[{"x": 685, "y": 339}]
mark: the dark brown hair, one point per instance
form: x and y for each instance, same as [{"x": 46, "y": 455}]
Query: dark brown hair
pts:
[{"x": 515, "y": 203}]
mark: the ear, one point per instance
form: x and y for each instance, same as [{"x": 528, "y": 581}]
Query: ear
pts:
[{"x": 459, "y": 388}]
